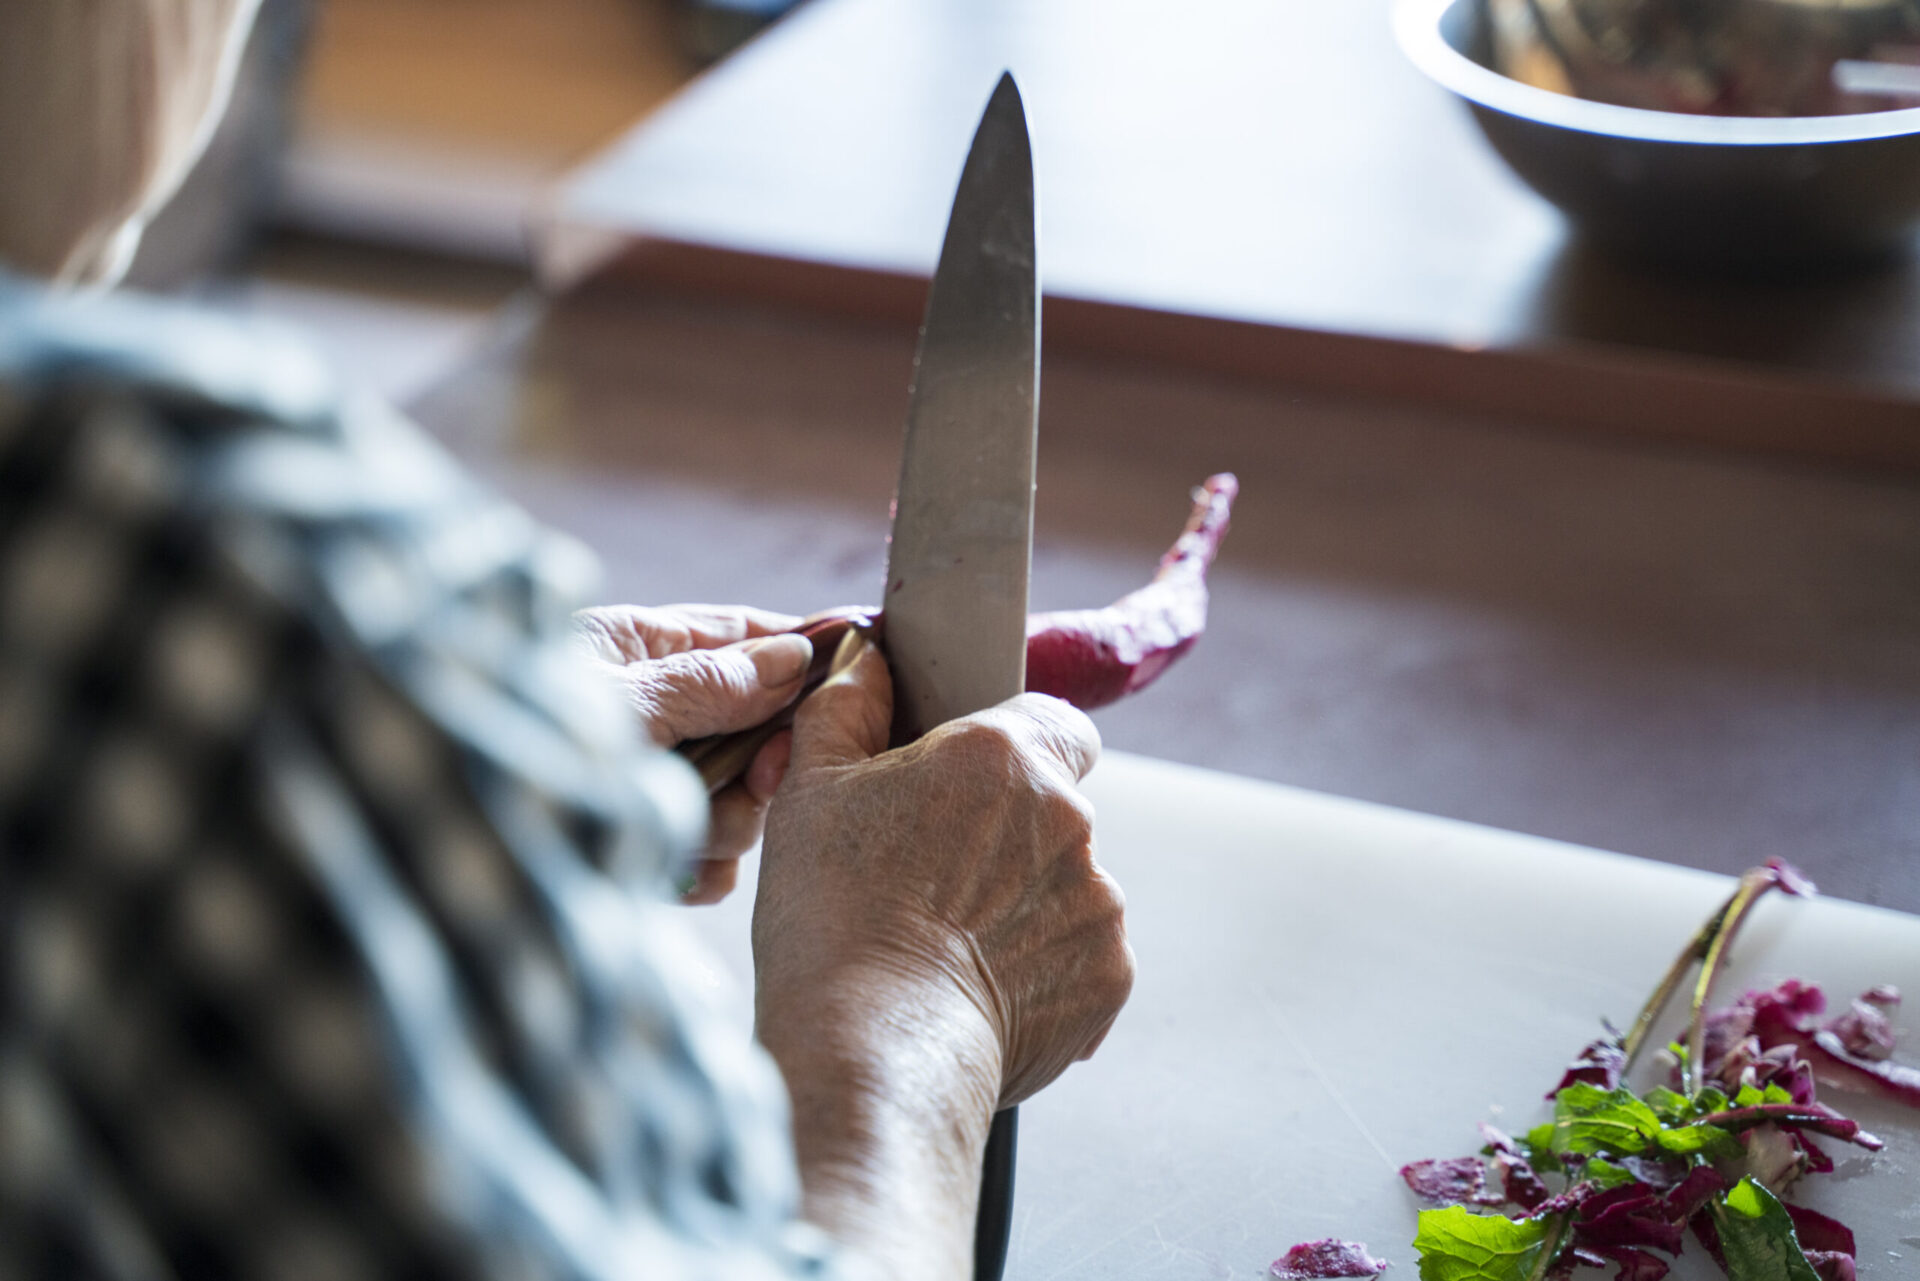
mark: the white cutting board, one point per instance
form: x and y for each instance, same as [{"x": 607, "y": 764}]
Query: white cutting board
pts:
[{"x": 1329, "y": 989}]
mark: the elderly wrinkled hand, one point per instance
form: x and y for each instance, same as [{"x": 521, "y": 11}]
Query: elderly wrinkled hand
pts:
[
  {"x": 960, "y": 867},
  {"x": 933, "y": 940},
  {"x": 689, "y": 671}
]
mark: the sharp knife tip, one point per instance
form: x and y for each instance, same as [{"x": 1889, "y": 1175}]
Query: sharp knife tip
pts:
[{"x": 1006, "y": 115}]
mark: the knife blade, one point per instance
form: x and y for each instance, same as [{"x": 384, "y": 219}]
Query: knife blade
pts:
[
  {"x": 956, "y": 596},
  {"x": 962, "y": 540}
]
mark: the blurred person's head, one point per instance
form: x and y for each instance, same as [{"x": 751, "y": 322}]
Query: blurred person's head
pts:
[{"x": 104, "y": 106}]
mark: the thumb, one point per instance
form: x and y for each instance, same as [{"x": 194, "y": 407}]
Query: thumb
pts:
[
  {"x": 849, "y": 717},
  {"x": 715, "y": 691}
]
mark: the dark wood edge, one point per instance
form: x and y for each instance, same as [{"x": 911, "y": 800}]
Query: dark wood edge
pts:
[{"x": 1592, "y": 387}]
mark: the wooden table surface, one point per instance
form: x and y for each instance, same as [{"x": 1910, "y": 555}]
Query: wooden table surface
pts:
[
  {"x": 1704, "y": 657},
  {"x": 1261, "y": 187},
  {"x": 1699, "y": 657}
]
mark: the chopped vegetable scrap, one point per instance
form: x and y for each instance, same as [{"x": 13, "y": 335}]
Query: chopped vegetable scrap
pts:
[
  {"x": 1089, "y": 657},
  {"x": 1326, "y": 1261},
  {"x": 1712, "y": 1152},
  {"x": 1848, "y": 1052}
]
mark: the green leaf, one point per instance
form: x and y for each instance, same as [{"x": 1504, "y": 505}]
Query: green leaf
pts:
[
  {"x": 1671, "y": 1106},
  {"x": 1587, "y": 1096},
  {"x": 1604, "y": 1174},
  {"x": 1590, "y": 1121},
  {"x": 1457, "y": 1245},
  {"x": 1757, "y": 1236},
  {"x": 1754, "y": 1096},
  {"x": 1698, "y": 1140},
  {"x": 1538, "y": 1147}
]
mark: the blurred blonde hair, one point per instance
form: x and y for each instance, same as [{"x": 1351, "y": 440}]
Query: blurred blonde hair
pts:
[{"x": 104, "y": 106}]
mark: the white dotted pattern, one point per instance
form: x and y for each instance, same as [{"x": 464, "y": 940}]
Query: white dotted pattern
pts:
[{"x": 333, "y": 888}]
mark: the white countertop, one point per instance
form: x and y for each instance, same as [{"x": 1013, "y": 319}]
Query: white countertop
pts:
[{"x": 1329, "y": 989}]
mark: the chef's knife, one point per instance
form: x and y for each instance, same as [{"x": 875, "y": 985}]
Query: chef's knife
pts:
[{"x": 956, "y": 598}]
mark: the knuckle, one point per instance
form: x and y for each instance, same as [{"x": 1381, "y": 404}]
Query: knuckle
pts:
[
  {"x": 1062, "y": 815},
  {"x": 656, "y": 632},
  {"x": 1064, "y": 821},
  {"x": 645, "y": 697},
  {"x": 628, "y": 633},
  {"x": 1059, "y": 721},
  {"x": 1120, "y": 975},
  {"x": 711, "y": 674},
  {"x": 672, "y": 695},
  {"x": 1072, "y": 812},
  {"x": 985, "y": 739},
  {"x": 592, "y": 631},
  {"x": 1112, "y": 956},
  {"x": 1042, "y": 706},
  {"x": 651, "y": 680}
]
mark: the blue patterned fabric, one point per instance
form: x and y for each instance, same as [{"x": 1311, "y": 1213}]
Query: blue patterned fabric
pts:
[{"x": 334, "y": 932}]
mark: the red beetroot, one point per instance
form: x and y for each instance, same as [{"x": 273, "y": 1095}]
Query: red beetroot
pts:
[
  {"x": 1326, "y": 1260},
  {"x": 1787, "y": 1015},
  {"x": 1092, "y": 657}
]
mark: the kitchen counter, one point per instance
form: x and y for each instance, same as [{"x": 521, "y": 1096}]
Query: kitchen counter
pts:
[
  {"x": 1702, "y": 658},
  {"x": 1433, "y": 596},
  {"x": 1272, "y": 248},
  {"x": 1328, "y": 990},
  {"x": 1264, "y": 188}
]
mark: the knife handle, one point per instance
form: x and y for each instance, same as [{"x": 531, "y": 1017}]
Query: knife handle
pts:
[
  {"x": 723, "y": 758},
  {"x": 993, "y": 1227}
]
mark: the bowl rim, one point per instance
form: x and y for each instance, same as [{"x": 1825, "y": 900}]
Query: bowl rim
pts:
[{"x": 1416, "y": 25}]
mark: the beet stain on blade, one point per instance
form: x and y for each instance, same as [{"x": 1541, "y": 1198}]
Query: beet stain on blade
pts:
[{"x": 1325, "y": 1261}]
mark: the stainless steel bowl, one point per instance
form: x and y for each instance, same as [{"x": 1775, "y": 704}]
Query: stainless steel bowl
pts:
[{"x": 1721, "y": 193}]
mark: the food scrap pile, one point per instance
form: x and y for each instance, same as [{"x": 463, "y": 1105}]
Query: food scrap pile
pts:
[
  {"x": 1710, "y": 1155},
  {"x": 1621, "y": 1178}
]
